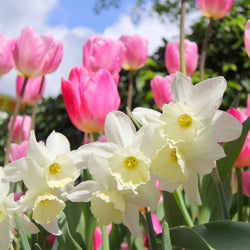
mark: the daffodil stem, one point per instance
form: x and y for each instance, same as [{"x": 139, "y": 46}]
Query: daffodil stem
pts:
[
  {"x": 105, "y": 238},
  {"x": 33, "y": 119},
  {"x": 16, "y": 110},
  {"x": 204, "y": 49},
  {"x": 240, "y": 194},
  {"x": 182, "y": 36},
  {"x": 130, "y": 90},
  {"x": 221, "y": 192},
  {"x": 179, "y": 199},
  {"x": 150, "y": 230}
]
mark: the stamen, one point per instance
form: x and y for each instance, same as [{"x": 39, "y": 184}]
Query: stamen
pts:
[
  {"x": 54, "y": 168},
  {"x": 185, "y": 120},
  {"x": 130, "y": 162}
]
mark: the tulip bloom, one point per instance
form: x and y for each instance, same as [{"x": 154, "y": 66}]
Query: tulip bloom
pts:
[
  {"x": 247, "y": 38},
  {"x": 18, "y": 151},
  {"x": 214, "y": 8},
  {"x": 21, "y": 127},
  {"x": 135, "y": 51},
  {"x": 161, "y": 88},
  {"x": 31, "y": 90},
  {"x": 172, "y": 56},
  {"x": 103, "y": 53},
  {"x": 36, "y": 55},
  {"x": 245, "y": 175},
  {"x": 89, "y": 97},
  {"x": 6, "y": 61}
]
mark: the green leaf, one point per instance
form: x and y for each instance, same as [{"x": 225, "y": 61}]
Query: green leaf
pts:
[
  {"x": 21, "y": 232},
  {"x": 225, "y": 234},
  {"x": 116, "y": 236},
  {"x": 187, "y": 238},
  {"x": 166, "y": 241},
  {"x": 66, "y": 241}
]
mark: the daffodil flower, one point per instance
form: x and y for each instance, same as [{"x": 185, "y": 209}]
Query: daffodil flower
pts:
[{"x": 7, "y": 208}]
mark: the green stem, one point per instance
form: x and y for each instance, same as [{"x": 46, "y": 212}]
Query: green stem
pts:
[
  {"x": 150, "y": 230},
  {"x": 36, "y": 105},
  {"x": 105, "y": 238},
  {"x": 16, "y": 110},
  {"x": 130, "y": 90},
  {"x": 240, "y": 194},
  {"x": 179, "y": 199},
  {"x": 204, "y": 49},
  {"x": 221, "y": 192},
  {"x": 182, "y": 36}
]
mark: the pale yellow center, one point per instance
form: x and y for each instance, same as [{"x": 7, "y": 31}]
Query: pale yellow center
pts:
[
  {"x": 185, "y": 121},
  {"x": 45, "y": 202},
  {"x": 54, "y": 168},
  {"x": 173, "y": 157},
  {"x": 130, "y": 162}
]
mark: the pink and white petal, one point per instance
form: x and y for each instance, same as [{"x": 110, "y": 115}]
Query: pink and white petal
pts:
[
  {"x": 52, "y": 227},
  {"x": 206, "y": 96},
  {"x": 191, "y": 187},
  {"x": 83, "y": 191},
  {"x": 119, "y": 129},
  {"x": 57, "y": 143},
  {"x": 224, "y": 127},
  {"x": 181, "y": 88},
  {"x": 27, "y": 224},
  {"x": 145, "y": 115},
  {"x": 131, "y": 219}
]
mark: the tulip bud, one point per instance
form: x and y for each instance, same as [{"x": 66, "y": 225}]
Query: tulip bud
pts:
[{"x": 245, "y": 175}]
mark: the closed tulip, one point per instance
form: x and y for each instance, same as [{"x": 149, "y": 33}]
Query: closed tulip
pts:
[
  {"x": 135, "y": 51},
  {"x": 161, "y": 88},
  {"x": 6, "y": 61},
  {"x": 214, "y": 8},
  {"x": 89, "y": 97},
  {"x": 105, "y": 53},
  {"x": 36, "y": 55},
  {"x": 172, "y": 56},
  {"x": 245, "y": 175},
  {"x": 247, "y": 37},
  {"x": 32, "y": 89}
]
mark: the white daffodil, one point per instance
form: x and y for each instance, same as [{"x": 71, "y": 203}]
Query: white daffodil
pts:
[
  {"x": 7, "y": 208},
  {"x": 121, "y": 173}
]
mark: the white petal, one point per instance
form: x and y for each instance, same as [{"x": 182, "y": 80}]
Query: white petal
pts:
[
  {"x": 225, "y": 127},
  {"x": 167, "y": 186},
  {"x": 145, "y": 115},
  {"x": 4, "y": 183},
  {"x": 131, "y": 219},
  {"x": 38, "y": 151},
  {"x": 6, "y": 234},
  {"x": 181, "y": 88},
  {"x": 27, "y": 224},
  {"x": 57, "y": 143},
  {"x": 83, "y": 191},
  {"x": 52, "y": 227},
  {"x": 191, "y": 188},
  {"x": 119, "y": 129},
  {"x": 206, "y": 96}
]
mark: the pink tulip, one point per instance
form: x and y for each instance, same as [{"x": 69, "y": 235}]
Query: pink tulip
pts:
[
  {"x": 244, "y": 156},
  {"x": 31, "y": 90},
  {"x": 21, "y": 127},
  {"x": 172, "y": 56},
  {"x": 18, "y": 151},
  {"x": 36, "y": 55},
  {"x": 214, "y": 8},
  {"x": 103, "y": 53},
  {"x": 245, "y": 175},
  {"x": 89, "y": 98},
  {"x": 98, "y": 236},
  {"x": 6, "y": 60},
  {"x": 135, "y": 51},
  {"x": 51, "y": 239},
  {"x": 161, "y": 88},
  {"x": 17, "y": 196},
  {"x": 247, "y": 37}
]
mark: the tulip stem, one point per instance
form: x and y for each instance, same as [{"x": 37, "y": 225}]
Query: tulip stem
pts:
[
  {"x": 221, "y": 193},
  {"x": 239, "y": 194},
  {"x": 204, "y": 49},
  {"x": 16, "y": 110},
  {"x": 182, "y": 36},
  {"x": 150, "y": 229},
  {"x": 105, "y": 238},
  {"x": 20, "y": 137},
  {"x": 179, "y": 199},
  {"x": 130, "y": 90},
  {"x": 32, "y": 125}
]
